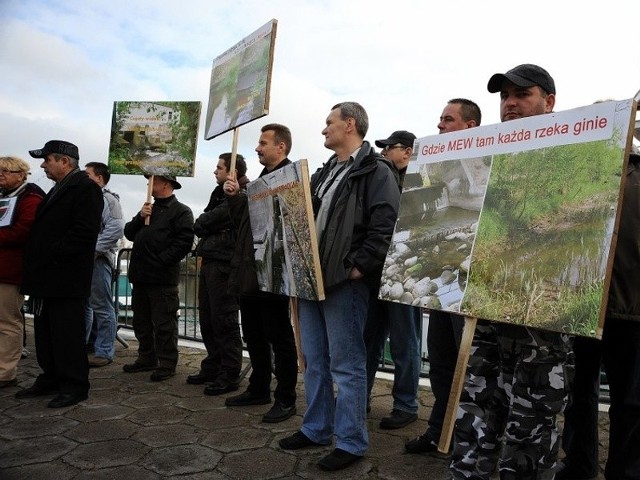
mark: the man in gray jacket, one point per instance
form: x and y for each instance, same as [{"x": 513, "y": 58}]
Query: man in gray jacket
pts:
[
  {"x": 355, "y": 197},
  {"x": 100, "y": 303}
]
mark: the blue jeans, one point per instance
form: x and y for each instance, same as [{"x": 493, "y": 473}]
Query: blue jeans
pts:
[
  {"x": 100, "y": 309},
  {"x": 333, "y": 348},
  {"x": 402, "y": 324}
]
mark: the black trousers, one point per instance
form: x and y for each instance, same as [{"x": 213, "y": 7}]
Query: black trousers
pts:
[
  {"x": 266, "y": 326},
  {"x": 620, "y": 354},
  {"x": 444, "y": 334},
  {"x": 155, "y": 324},
  {"x": 219, "y": 324},
  {"x": 59, "y": 333}
]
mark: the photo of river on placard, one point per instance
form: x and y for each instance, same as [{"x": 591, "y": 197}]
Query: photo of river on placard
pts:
[
  {"x": 544, "y": 237},
  {"x": 429, "y": 256}
]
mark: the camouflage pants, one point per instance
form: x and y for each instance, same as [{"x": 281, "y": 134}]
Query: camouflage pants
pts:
[{"x": 516, "y": 383}]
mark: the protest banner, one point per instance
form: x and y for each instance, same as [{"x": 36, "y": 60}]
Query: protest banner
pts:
[
  {"x": 284, "y": 234},
  {"x": 154, "y": 138},
  {"x": 515, "y": 222},
  {"x": 241, "y": 81}
]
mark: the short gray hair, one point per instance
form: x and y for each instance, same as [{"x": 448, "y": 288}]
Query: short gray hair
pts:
[{"x": 357, "y": 112}]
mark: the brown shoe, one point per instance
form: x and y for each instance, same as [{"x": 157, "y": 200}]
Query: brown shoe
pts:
[{"x": 95, "y": 362}]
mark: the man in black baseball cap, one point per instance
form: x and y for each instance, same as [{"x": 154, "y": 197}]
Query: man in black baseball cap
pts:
[
  {"x": 525, "y": 90},
  {"x": 56, "y": 146},
  {"x": 58, "y": 265},
  {"x": 525, "y": 75},
  {"x": 513, "y": 363},
  {"x": 403, "y": 137},
  {"x": 401, "y": 323}
]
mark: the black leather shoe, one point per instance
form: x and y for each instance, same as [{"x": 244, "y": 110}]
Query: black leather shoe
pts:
[
  {"x": 337, "y": 460},
  {"x": 279, "y": 413},
  {"x": 160, "y": 374},
  {"x": 200, "y": 378},
  {"x": 422, "y": 444},
  {"x": 220, "y": 387},
  {"x": 569, "y": 472},
  {"x": 136, "y": 367},
  {"x": 247, "y": 398},
  {"x": 297, "y": 441},
  {"x": 66, "y": 400},
  {"x": 8, "y": 383},
  {"x": 397, "y": 419},
  {"x": 35, "y": 391}
]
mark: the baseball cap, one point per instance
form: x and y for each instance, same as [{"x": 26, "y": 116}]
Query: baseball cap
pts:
[
  {"x": 169, "y": 178},
  {"x": 399, "y": 136},
  {"x": 525, "y": 75},
  {"x": 56, "y": 146}
]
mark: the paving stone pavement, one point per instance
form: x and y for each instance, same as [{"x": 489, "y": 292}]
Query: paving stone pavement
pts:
[{"x": 133, "y": 429}]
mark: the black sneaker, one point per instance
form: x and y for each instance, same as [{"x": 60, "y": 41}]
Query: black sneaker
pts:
[
  {"x": 422, "y": 444},
  {"x": 160, "y": 374},
  {"x": 200, "y": 378},
  {"x": 337, "y": 460},
  {"x": 297, "y": 441},
  {"x": 398, "y": 419},
  {"x": 220, "y": 387},
  {"x": 569, "y": 472},
  {"x": 247, "y": 398},
  {"x": 136, "y": 367},
  {"x": 279, "y": 413}
]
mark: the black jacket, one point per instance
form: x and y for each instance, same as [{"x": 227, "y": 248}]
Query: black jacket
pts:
[
  {"x": 624, "y": 290},
  {"x": 243, "y": 279},
  {"x": 361, "y": 219},
  {"x": 217, "y": 233},
  {"x": 159, "y": 247},
  {"x": 61, "y": 245}
]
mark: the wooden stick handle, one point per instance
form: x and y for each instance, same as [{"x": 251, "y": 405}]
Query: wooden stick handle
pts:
[
  {"x": 457, "y": 384},
  {"x": 149, "y": 197},
  {"x": 234, "y": 153}
]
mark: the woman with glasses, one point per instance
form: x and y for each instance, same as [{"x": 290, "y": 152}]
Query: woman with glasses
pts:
[{"x": 18, "y": 203}]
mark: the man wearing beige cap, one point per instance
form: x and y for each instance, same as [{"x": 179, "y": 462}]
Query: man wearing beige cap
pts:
[{"x": 154, "y": 268}]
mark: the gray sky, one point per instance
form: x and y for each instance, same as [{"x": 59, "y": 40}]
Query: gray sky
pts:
[{"x": 64, "y": 63}]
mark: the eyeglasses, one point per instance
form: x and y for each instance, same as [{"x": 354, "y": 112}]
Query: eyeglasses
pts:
[
  {"x": 391, "y": 147},
  {"x": 4, "y": 171}
]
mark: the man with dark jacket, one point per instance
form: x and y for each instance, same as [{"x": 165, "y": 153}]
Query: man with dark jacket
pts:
[
  {"x": 444, "y": 332},
  {"x": 57, "y": 276},
  {"x": 356, "y": 204},
  {"x": 400, "y": 322},
  {"x": 619, "y": 352},
  {"x": 218, "y": 309},
  {"x": 266, "y": 325},
  {"x": 154, "y": 271}
]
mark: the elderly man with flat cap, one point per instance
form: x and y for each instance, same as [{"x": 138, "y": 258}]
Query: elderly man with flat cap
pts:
[
  {"x": 517, "y": 377},
  {"x": 57, "y": 274},
  {"x": 401, "y": 323},
  {"x": 158, "y": 247}
]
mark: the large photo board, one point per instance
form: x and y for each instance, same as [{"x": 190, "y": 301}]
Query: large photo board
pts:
[
  {"x": 284, "y": 234},
  {"x": 241, "y": 81},
  {"x": 154, "y": 138},
  {"x": 514, "y": 222}
]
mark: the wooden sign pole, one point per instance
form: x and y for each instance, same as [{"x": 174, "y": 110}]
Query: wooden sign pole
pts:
[
  {"x": 149, "y": 197},
  {"x": 234, "y": 153},
  {"x": 295, "y": 321},
  {"x": 457, "y": 384}
]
